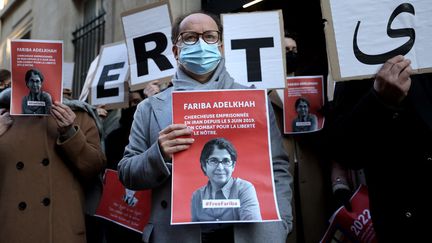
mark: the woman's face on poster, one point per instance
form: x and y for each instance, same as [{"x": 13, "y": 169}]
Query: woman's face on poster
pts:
[
  {"x": 219, "y": 167},
  {"x": 303, "y": 109},
  {"x": 34, "y": 83}
]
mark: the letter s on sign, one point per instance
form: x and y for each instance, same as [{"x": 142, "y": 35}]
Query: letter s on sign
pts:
[{"x": 393, "y": 33}]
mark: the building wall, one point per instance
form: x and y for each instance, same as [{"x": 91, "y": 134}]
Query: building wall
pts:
[
  {"x": 116, "y": 7},
  {"x": 57, "y": 19},
  {"x": 46, "y": 19},
  {"x": 15, "y": 21}
]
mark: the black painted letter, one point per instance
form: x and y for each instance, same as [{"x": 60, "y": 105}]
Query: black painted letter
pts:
[
  {"x": 101, "y": 92},
  {"x": 253, "y": 58},
  {"x": 402, "y": 50},
  {"x": 142, "y": 55}
]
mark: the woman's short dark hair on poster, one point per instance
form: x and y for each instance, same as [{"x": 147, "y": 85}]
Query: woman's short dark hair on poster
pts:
[
  {"x": 301, "y": 99},
  {"x": 220, "y": 143},
  {"x": 34, "y": 72}
]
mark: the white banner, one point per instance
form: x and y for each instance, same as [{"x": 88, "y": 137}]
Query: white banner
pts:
[
  {"x": 362, "y": 34},
  {"x": 253, "y": 48},
  {"x": 109, "y": 85},
  {"x": 148, "y": 38}
]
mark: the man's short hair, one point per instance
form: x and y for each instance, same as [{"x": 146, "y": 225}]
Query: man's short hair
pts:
[
  {"x": 4, "y": 75},
  {"x": 34, "y": 72},
  {"x": 175, "y": 31},
  {"x": 220, "y": 143}
]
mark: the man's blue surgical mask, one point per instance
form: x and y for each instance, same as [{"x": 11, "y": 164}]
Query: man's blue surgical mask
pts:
[{"x": 200, "y": 58}]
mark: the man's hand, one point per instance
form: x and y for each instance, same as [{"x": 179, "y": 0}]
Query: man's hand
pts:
[
  {"x": 64, "y": 117},
  {"x": 152, "y": 88},
  {"x": 5, "y": 121},
  {"x": 393, "y": 80},
  {"x": 171, "y": 140},
  {"x": 101, "y": 111}
]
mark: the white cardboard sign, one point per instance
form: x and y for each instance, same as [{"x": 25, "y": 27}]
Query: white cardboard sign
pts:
[
  {"x": 68, "y": 69},
  {"x": 109, "y": 83},
  {"x": 89, "y": 77},
  {"x": 148, "y": 38},
  {"x": 253, "y": 48},
  {"x": 362, "y": 34}
]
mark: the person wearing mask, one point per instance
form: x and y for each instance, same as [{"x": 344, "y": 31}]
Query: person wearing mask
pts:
[
  {"x": 291, "y": 53},
  {"x": 146, "y": 163},
  {"x": 311, "y": 188},
  {"x": 384, "y": 125},
  {"x": 45, "y": 164}
]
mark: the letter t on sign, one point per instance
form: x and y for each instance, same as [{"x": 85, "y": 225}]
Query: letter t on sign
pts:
[{"x": 253, "y": 58}]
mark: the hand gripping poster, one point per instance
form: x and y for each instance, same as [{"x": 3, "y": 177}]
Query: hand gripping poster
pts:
[
  {"x": 226, "y": 174},
  {"x": 122, "y": 206},
  {"x": 303, "y": 100},
  {"x": 36, "y": 76},
  {"x": 352, "y": 226}
]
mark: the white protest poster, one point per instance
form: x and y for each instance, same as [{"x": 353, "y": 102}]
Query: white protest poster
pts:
[
  {"x": 109, "y": 85},
  {"x": 253, "y": 48},
  {"x": 147, "y": 32},
  {"x": 68, "y": 68},
  {"x": 89, "y": 77},
  {"x": 362, "y": 34}
]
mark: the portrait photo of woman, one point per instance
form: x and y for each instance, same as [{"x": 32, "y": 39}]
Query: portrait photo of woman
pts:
[{"x": 218, "y": 161}]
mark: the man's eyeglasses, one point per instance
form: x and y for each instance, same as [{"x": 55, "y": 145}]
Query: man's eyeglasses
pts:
[
  {"x": 215, "y": 162},
  {"x": 190, "y": 37}
]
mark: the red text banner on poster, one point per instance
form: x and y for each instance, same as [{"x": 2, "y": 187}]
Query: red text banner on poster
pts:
[
  {"x": 352, "y": 226},
  {"x": 240, "y": 117},
  {"x": 303, "y": 98},
  {"x": 46, "y": 56},
  {"x": 122, "y": 206}
]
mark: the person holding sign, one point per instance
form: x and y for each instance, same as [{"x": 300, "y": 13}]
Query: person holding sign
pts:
[
  {"x": 43, "y": 188},
  {"x": 218, "y": 160},
  {"x": 147, "y": 160},
  {"x": 385, "y": 126},
  {"x": 304, "y": 121},
  {"x": 37, "y": 101}
]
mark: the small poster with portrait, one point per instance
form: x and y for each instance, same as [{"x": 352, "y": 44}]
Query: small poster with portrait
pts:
[
  {"x": 37, "y": 67},
  {"x": 128, "y": 208},
  {"x": 225, "y": 176},
  {"x": 303, "y": 101}
]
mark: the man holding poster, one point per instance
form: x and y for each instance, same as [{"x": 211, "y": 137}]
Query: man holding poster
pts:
[
  {"x": 147, "y": 161},
  {"x": 391, "y": 117}
]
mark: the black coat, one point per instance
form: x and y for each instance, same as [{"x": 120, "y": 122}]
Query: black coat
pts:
[{"x": 394, "y": 146}]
